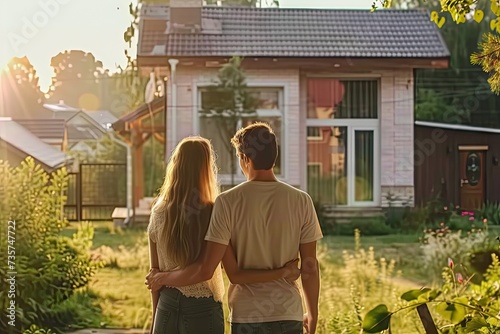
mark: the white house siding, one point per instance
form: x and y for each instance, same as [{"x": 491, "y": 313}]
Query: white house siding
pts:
[
  {"x": 188, "y": 79},
  {"x": 397, "y": 98},
  {"x": 396, "y": 120}
]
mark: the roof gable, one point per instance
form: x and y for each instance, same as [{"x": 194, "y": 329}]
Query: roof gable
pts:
[
  {"x": 19, "y": 137},
  {"x": 308, "y": 33},
  {"x": 104, "y": 117}
]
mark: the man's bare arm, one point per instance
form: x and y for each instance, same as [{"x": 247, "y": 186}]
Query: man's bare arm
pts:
[
  {"x": 201, "y": 270},
  {"x": 310, "y": 282}
]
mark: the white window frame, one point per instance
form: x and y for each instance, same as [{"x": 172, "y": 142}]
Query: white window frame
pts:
[
  {"x": 352, "y": 167},
  {"x": 225, "y": 179},
  {"x": 357, "y": 124}
]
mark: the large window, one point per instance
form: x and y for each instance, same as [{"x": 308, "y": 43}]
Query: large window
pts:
[
  {"x": 326, "y": 162},
  {"x": 268, "y": 102},
  {"x": 334, "y": 98},
  {"x": 342, "y": 137}
]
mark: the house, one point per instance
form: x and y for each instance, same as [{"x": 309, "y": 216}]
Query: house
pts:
[
  {"x": 337, "y": 86},
  {"x": 81, "y": 127},
  {"x": 458, "y": 164},
  {"x": 17, "y": 143},
  {"x": 50, "y": 131},
  {"x": 103, "y": 117}
]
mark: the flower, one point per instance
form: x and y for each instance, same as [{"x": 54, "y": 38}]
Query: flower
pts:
[
  {"x": 460, "y": 279},
  {"x": 485, "y": 220},
  {"x": 450, "y": 263},
  {"x": 471, "y": 218},
  {"x": 445, "y": 208}
]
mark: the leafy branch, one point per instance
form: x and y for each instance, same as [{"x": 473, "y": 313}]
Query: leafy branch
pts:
[
  {"x": 462, "y": 309},
  {"x": 462, "y": 11}
]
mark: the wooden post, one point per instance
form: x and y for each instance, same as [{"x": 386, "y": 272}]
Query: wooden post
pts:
[
  {"x": 137, "y": 141},
  {"x": 426, "y": 318},
  {"x": 78, "y": 185}
]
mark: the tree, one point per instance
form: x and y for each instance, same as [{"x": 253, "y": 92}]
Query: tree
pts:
[
  {"x": 462, "y": 11},
  {"x": 228, "y": 101},
  {"x": 21, "y": 95},
  {"x": 460, "y": 94},
  {"x": 79, "y": 79},
  {"x": 129, "y": 86},
  {"x": 431, "y": 107}
]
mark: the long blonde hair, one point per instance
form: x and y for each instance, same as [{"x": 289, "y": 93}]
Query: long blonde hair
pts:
[{"x": 186, "y": 197}]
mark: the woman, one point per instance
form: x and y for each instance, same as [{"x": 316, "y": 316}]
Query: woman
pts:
[{"x": 179, "y": 221}]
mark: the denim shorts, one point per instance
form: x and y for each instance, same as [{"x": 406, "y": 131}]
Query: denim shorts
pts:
[{"x": 178, "y": 314}]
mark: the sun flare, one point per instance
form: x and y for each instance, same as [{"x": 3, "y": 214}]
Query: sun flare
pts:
[{"x": 4, "y": 60}]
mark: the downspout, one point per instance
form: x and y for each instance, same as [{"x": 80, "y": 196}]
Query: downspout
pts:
[
  {"x": 173, "y": 66},
  {"x": 129, "y": 175}
]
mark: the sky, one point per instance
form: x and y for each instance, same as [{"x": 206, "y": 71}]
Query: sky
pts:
[{"x": 40, "y": 29}]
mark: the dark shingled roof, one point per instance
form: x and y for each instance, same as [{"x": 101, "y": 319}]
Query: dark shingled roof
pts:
[
  {"x": 19, "y": 137},
  {"x": 44, "y": 128},
  {"x": 304, "y": 33}
]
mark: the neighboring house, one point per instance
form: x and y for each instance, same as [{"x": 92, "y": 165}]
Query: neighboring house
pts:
[
  {"x": 458, "y": 163},
  {"x": 50, "y": 131},
  {"x": 80, "y": 126},
  {"x": 336, "y": 85},
  {"x": 103, "y": 117},
  {"x": 17, "y": 143}
]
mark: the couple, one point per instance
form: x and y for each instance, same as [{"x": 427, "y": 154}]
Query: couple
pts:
[{"x": 257, "y": 229}]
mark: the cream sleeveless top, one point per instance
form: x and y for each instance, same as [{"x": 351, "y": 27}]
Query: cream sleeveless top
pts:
[{"x": 214, "y": 287}]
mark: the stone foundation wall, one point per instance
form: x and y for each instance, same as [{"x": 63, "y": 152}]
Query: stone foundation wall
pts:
[{"x": 397, "y": 196}]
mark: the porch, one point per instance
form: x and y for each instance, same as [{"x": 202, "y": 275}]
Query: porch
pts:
[{"x": 147, "y": 122}]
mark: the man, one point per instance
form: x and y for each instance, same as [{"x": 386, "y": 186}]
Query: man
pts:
[{"x": 267, "y": 223}]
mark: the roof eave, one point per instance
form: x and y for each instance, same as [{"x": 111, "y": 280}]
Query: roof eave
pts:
[
  {"x": 438, "y": 62},
  {"x": 140, "y": 112}
]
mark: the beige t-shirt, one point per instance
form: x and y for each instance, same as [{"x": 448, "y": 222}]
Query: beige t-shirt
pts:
[{"x": 265, "y": 222}]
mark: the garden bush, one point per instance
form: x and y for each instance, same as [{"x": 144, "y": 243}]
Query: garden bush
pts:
[
  {"x": 491, "y": 212},
  {"x": 50, "y": 268},
  {"x": 369, "y": 226},
  {"x": 440, "y": 244}
]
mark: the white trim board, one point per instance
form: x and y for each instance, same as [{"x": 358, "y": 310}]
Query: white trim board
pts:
[{"x": 457, "y": 127}]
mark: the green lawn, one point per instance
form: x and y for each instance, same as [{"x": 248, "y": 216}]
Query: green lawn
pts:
[
  {"x": 106, "y": 234},
  {"x": 125, "y": 301},
  {"x": 403, "y": 248}
]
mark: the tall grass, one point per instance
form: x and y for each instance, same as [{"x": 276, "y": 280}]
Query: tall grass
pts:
[{"x": 349, "y": 287}]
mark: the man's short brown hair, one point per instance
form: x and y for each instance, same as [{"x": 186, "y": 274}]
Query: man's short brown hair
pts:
[{"x": 258, "y": 142}]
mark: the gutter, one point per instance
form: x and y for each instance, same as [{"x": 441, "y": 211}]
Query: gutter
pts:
[
  {"x": 173, "y": 66},
  {"x": 129, "y": 175}
]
